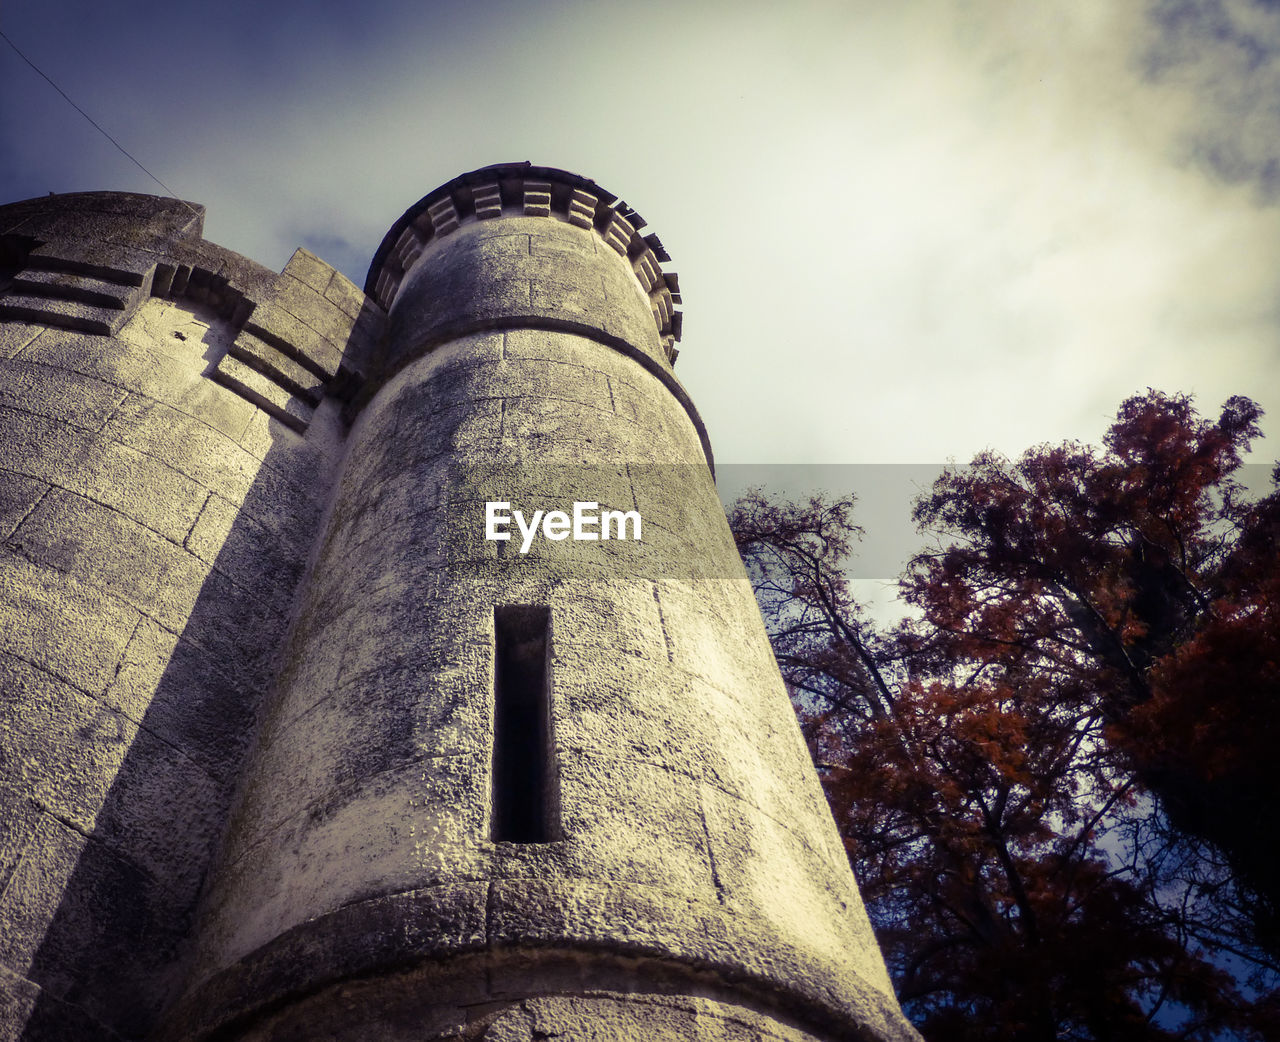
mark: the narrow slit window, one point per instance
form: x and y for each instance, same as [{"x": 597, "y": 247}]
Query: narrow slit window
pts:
[{"x": 523, "y": 804}]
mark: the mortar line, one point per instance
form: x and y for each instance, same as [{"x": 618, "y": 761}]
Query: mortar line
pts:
[{"x": 40, "y": 499}]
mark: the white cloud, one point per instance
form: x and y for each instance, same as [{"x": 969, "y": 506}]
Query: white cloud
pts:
[{"x": 903, "y": 231}]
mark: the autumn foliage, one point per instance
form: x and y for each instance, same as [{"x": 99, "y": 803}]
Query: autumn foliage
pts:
[{"x": 1055, "y": 782}]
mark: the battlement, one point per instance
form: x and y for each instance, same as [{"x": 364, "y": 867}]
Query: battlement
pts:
[
  {"x": 295, "y": 745},
  {"x": 511, "y": 189}
]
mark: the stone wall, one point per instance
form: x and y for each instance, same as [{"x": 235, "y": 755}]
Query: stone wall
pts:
[
  {"x": 159, "y": 496},
  {"x": 291, "y": 749}
]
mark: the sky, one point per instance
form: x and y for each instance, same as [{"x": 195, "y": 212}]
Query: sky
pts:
[{"x": 905, "y": 231}]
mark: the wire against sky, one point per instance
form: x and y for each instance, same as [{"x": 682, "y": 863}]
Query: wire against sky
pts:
[{"x": 172, "y": 194}]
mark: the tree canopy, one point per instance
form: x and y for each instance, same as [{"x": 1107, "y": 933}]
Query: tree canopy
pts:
[{"x": 1053, "y": 782}]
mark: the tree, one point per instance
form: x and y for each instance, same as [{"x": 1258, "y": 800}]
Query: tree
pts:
[
  {"x": 992, "y": 765},
  {"x": 1141, "y": 574}
]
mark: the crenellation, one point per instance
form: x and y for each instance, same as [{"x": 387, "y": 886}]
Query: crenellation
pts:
[
  {"x": 618, "y": 233},
  {"x": 444, "y": 216},
  {"x": 277, "y": 690},
  {"x": 582, "y": 208},
  {"x": 469, "y": 199},
  {"x": 408, "y": 248},
  {"x": 647, "y": 271},
  {"x": 537, "y": 199},
  {"x": 264, "y": 392},
  {"x": 488, "y": 202},
  {"x": 655, "y": 244}
]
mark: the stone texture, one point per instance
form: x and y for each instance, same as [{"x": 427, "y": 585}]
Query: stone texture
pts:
[
  {"x": 265, "y": 392},
  {"x": 249, "y": 692},
  {"x": 155, "y": 526}
]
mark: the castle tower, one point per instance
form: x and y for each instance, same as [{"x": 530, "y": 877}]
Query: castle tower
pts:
[{"x": 547, "y": 785}]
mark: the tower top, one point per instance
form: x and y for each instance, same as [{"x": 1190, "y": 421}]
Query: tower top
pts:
[{"x": 532, "y": 191}]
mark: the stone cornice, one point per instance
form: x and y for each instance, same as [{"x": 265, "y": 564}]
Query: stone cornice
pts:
[{"x": 521, "y": 189}]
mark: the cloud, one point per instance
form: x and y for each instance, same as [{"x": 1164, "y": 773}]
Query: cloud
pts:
[
  {"x": 1225, "y": 56},
  {"x": 904, "y": 232}
]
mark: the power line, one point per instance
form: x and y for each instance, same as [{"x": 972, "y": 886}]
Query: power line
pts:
[{"x": 123, "y": 150}]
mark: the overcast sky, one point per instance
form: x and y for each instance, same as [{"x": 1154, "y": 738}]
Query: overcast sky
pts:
[{"x": 905, "y": 231}]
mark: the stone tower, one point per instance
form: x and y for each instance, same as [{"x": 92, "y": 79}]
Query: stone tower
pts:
[{"x": 297, "y": 745}]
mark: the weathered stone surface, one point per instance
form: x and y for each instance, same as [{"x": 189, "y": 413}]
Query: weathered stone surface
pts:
[
  {"x": 155, "y": 526},
  {"x": 68, "y": 314},
  {"x": 18, "y": 497},
  {"x": 258, "y": 670},
  {"x": 275, "y": 323},
  {"x": 73, "y": 399},
  {"x": 14, "y": 336},
  {"x": 148, "y": 360},
  {"x": 188, "y": 697},
  {"x": 476, "y": 276},
  {"x": 61, "y": 624},
  {"x": 278, "y": 367},
  {"x": 264, "y": 392}
]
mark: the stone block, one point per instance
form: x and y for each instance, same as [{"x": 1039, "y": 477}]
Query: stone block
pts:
[
  {"x": 537, "y": 199},
  {"x": 18, "y": 495},
  {"x": 288, "y": 508},
  {"x": 14, "y": 336},
  {"x": 505, "y": 247},
  {"x": 444, "y": 216},
  {"x": 20, "y": 815},
  {"x": 35, "y": 890},
  {"x": 61, "y": 624},
  {"x": 71, "y": 398},
  {"x": 307, "y": 268},
  {"x": 187, "y": 697},
  {"x": 488, "y": 201},
  {"x": 774, "y": 876},
  {"x": 165, "y": 814},
  {"x": 141, "y": 368},
  {"x": 66, "y": 314},
  {"x": 94, "y": 932},
  {"x": 558, "y": 241},
  {"x": 18, "y": 1000},
  {"x": 314, "y": 309},
  {"x": 346, "y": 296},
  {"x": 582, "y": 208},
  {"x": 370, "y": 725},
  {"x": 409, "y": 829},
  {"x": 96, "y": 770},
  {"x": 33, "y": 1015},
  {"x": 619, "y": 233},
  {"x": 70, "y": 285},
  {"x": 54, "y": 453},
  {"x": 339, "y": 947},
  {"x": 102, "y": 547},
  {"x": 633, "y": 822},
  {"x": 278, "y": 325},
  {"x": 206, "y": 455},
  {"x": 278, "y": 367},
  {"x": 237, "y": 628},
  {"x": 629, "y": 918},
  {"x": 308, "y": 458},
  {"x": 263, "y": 392},
  {"x": 246, "y": 552}
]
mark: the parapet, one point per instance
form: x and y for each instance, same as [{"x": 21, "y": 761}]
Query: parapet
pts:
[
  {"x": 521, "y": 189},
  {"x": 87, "y": 261}
]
